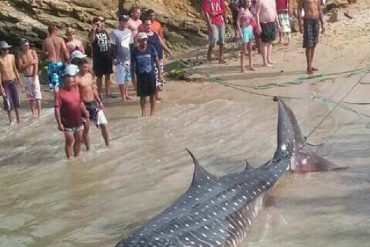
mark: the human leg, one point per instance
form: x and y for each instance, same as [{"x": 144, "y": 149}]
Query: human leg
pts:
[
  {"x": 242, "y": 55},
  {"x": 69, "y": 138},
  {"x": 152, "y": 104},
  {"x": 143, "y": 106},
  {"x": 85, "y": 135},
  {"x": 38, "y": 107},
  {"x": 249, "y": 47},
  {"x": 32, "y": 106},
  {"x": 99, "y": 82},
  {"x": 107, "y": 84},
  {"x": 77, "y": 144},
  {"x": 104, "y": 132},
  {"x": 269, "y": 54}
]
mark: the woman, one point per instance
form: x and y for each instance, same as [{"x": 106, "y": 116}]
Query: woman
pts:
[{"x": 73, "y": 44}]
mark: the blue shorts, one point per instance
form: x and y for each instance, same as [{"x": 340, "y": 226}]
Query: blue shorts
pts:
[
  {"x": 247, "y": 34},
  {"x": 217, "y": 35},
  {"x": 55, "y": 74}
]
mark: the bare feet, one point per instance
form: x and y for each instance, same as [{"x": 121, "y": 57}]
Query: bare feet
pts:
[
  {"x": 314, "y": 69},
  {"x": 222, "y": 61},
  {"x": 252, "y": 68},
  {"x": 271, "y": 62},
  {"x": 267, "y": 65},
  {"x": 128, "y": 97},
  {"x": 309, "y": 71},
  {"x": 242, "y": 70}
]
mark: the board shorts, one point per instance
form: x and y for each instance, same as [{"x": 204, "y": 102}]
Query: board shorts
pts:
[
  {"x": 102, "y": 65},
  {"x": 33, "y": 91},
  {"x": 146, "y": 85},
  {"x": 55, "y": 74},
  {"x": 268, "y": 33},
  {"x": 311, "y": 31},
  {"x": 122, "y": 72},
  {"x": 96, "y": 113},
  {"x": 247, "y": 34},
  {"x": 11, "y": 98},
  {"x": 217, "y": 34}
]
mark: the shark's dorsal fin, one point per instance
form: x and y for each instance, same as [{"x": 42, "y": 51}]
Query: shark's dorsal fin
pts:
[
  {"x": 247, "y": 166},
  {"x": 200, "y": 175}
]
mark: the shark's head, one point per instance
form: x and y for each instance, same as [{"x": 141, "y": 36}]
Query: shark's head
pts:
[{"x": 291, "y": 142}]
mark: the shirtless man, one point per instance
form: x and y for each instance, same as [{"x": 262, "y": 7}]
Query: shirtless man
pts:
[
  {"x": 134, "y": 21},
  {"x": 56, "y": 53},
  {"x": 267, "y": 18},
  {"x": 9, "y": 77},
  {"x": 310, "y": 28},
  {"x": 28, "y": 63},
  {"x": 94, "y": 105}
]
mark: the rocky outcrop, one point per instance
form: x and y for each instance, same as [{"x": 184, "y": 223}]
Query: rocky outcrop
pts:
[{"x": 182, "y": 21}]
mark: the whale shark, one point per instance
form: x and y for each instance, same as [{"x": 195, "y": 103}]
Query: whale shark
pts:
[{"x": 218, "y": 211}]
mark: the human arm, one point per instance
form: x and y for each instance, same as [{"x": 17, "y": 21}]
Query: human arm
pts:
[
  {"x": 64, "y": 50},
  {"x": 57, "y": 105},
  {"x": 300, "y": 21},
  {"x": 81, "y": 47},
  {"x": 321, "y": 18},
  {"x": 113, "y": 47},
  {"x": 206, "y": 10},
  {"x": 258, "y": 12},
  {"x": 16, "y": 73},
  {"x": 35, "y": 67},
  {"x": 84, "y": 111},
  {"x": 44, "y": 50},
  {"x": 165, "y": 47},
  {"x": 158, "y": 64},
  {"x": 238, "y": 21}
]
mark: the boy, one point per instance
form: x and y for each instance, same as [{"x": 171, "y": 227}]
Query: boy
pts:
[{"x": 144, "y": 58}]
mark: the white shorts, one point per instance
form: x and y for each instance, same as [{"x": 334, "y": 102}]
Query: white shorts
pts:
[
  {"x": 123, "y": 73},
  {"x": 32, "y": 90},
  {"x": 100, "y": 118}
]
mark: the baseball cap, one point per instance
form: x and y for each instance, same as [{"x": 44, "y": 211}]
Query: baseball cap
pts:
[
  {"x": 77, "y": 54},
  {"x": 142, "y": 35},
  {"x": 123, "y": 18},
  {"x": 71, "y": 70}
]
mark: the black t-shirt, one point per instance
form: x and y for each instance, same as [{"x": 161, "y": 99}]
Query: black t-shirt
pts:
[{"x": 101, "y": 45}]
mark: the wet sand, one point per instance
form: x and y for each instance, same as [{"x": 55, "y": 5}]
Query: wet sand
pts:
[{"x": 100, "y": 197}]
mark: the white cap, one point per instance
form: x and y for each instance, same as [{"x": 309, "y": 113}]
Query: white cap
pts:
[
  {"x": 77, "y": 54},
  {"x": 71, "y": 70},
  {"x": 142, "y": 35}
]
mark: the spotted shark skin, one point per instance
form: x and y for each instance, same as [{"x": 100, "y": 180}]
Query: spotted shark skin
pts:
[{"x": 217, "y": 212}]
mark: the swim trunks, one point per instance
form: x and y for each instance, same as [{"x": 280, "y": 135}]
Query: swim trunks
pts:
[
  {"x": 123, "y": 73},
  {"x": 55, "y": 74},
  {"x": 311, "y": 33},
  {"x": 96, "y": 113},
  {"x": 32, "y": 89},
  {"x": 159, "y": 83},
  {"x": 11, "y": 99},
  {"x": 247, "y": 34},
  {"x": 268, "y": 33},
  {"x": 74, "y": 130}
]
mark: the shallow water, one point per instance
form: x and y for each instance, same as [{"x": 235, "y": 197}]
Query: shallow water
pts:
[{"x": 103, "y": 195}]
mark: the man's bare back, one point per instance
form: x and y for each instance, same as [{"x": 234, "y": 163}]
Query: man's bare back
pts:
[
  {"x": 55, "y": 49},
  {"x": 267, "y": 10},
  {"x": 7, "y": 68},
  {"x": 311, "y": 8},
  {"x": 87, "y": 87}
]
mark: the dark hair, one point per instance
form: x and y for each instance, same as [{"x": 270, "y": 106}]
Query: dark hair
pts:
[
  {"x": 82, "y": 61},
  {"x": 149, "y": 12},
  {"x": 52, "y": 28},
  {"x": 95, "y": 20}
]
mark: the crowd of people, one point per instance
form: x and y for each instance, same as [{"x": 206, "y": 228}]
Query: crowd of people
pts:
[
  {"x": 257, "y": 22},
  {"x": 134, "y": 52}
]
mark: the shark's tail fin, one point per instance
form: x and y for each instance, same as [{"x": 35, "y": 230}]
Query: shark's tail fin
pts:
[{"x": 291, "y": 142}]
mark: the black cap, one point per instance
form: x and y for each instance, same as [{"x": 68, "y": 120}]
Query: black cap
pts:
[{"x": 123, "y": 18}]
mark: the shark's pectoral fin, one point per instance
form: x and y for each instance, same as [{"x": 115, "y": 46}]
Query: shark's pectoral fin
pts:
[
  {"x": 201, "y": 175},
  {"x": 311, "y": 162},
  {"x": 326, "y": 165}
]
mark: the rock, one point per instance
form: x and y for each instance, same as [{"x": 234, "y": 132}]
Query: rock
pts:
[
  {"x": 334, "y": 16},
  {"x": 348, "y": 15},
  {"x": 181, "y": 19}
]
